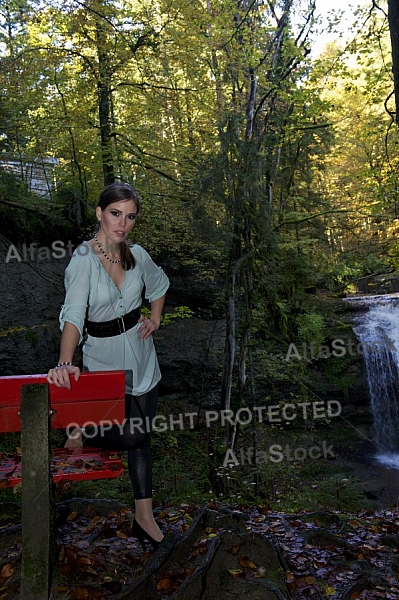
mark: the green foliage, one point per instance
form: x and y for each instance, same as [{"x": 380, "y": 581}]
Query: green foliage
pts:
[
  {"x": 25, "y": 217},
  {"x": 312, "y": 328},
  {"x": 336, "y": 372},
  {"x": 301, "y": 183},
  {"x": 393, "y": 257},
  {"x": 293, "y": 487},
  {"x": 339, "y": 493},
  {"x": 347, "y": 271},
  {"x": 177, "y": 455},
  {"x": 10, "y": 441},
  {"x": 180, "y": 312}
]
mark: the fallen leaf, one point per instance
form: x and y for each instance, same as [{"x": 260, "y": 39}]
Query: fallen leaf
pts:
[
  {"x": 97, "y": 519},
  {"x": 289, "y": 577},
  {"x": 83, "y": 560},
  {"x": 320, "y": 562},
  {"x": 296, "y": 523},
  {"x": 330, "y": 591},
  {"x": 354, "y": 523},
  {"x": 7, "y": 571},
  {"x": 235, "y": 572},
  {"x": 165, "y": 584},
  {"x": 317, "y": 522},
  {"x": 234, "y": 549},
  {"x": 80, "y": 594},
  {"x": 210, "y": 530},
  {"x": 126, "y": 511},
  {"x": 173, "y": 518},
  {"x": 247, "y": 562}
]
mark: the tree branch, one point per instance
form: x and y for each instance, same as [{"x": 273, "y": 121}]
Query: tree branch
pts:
[
  {"x": 26, "y": 208},
  {"x": 311, "y": 217},
  {"x": 144, "y": 84},
  {"x": 238, "y": 27}
]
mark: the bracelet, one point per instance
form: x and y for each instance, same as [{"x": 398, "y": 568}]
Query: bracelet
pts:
[{"x": 63, "y": 364}]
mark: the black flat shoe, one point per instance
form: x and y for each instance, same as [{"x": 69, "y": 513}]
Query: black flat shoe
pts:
[{"x": 141, "y": 534}]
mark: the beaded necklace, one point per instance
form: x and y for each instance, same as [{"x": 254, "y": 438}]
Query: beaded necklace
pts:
[{"x": 102, "y": 250}]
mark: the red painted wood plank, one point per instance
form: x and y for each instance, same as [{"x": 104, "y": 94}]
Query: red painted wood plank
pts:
[
  {"x": 10, "y": 399},
  {"x": 97, "y": 397},
  {"x": 88, "y": 463},
  {"x": 10, "y": 387}
]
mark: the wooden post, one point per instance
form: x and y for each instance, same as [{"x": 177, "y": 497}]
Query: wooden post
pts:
[{"x": 37, "y": 489}]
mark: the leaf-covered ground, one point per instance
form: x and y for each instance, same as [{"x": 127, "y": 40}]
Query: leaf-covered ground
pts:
[{"x": 321, "y": 555}]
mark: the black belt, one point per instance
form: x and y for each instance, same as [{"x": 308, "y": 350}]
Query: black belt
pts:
[{"x": 113, "y": 327}]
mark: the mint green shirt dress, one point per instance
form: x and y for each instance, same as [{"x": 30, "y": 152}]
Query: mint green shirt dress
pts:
[{"x": 88, "y": 285}]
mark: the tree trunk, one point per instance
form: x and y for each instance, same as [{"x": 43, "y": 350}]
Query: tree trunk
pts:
[
  {"x": 393, "y": 19},
  {"x": 104, "y": 104},
  {"x": 75, "y": 161}
]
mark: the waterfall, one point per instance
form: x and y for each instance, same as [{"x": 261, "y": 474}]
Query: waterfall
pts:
[{"x": 377, "y": 328}]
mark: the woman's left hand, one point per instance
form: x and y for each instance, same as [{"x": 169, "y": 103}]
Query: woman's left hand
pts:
[{"x": 147, "y": 327}]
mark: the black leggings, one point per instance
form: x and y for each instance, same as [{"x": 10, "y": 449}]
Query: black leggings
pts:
[{"x": 133, "y": 436}]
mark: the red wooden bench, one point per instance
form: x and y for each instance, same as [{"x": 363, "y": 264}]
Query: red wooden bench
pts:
[
  {"x": 97, "y": 398},
  {"x": 30, "y": 405}
]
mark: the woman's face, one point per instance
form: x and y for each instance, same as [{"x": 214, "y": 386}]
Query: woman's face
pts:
[{"x": 117, "y": 220}]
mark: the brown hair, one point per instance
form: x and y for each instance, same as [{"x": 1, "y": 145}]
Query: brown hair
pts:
[{"x": 119, "y": 192}]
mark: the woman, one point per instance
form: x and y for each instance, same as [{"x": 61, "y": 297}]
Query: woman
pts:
[{"x": 105, "y": 279}]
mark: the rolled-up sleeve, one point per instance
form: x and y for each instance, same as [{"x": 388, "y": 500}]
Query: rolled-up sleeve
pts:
[
  {"x": 155, "y": 281},
  {"x": 77, "y": 285}
]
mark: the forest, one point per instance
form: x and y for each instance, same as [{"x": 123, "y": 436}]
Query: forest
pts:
[{"x": 267, "y": 166}]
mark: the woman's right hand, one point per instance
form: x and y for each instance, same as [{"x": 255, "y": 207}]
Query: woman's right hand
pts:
[{"x": 60, "y": 376}]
